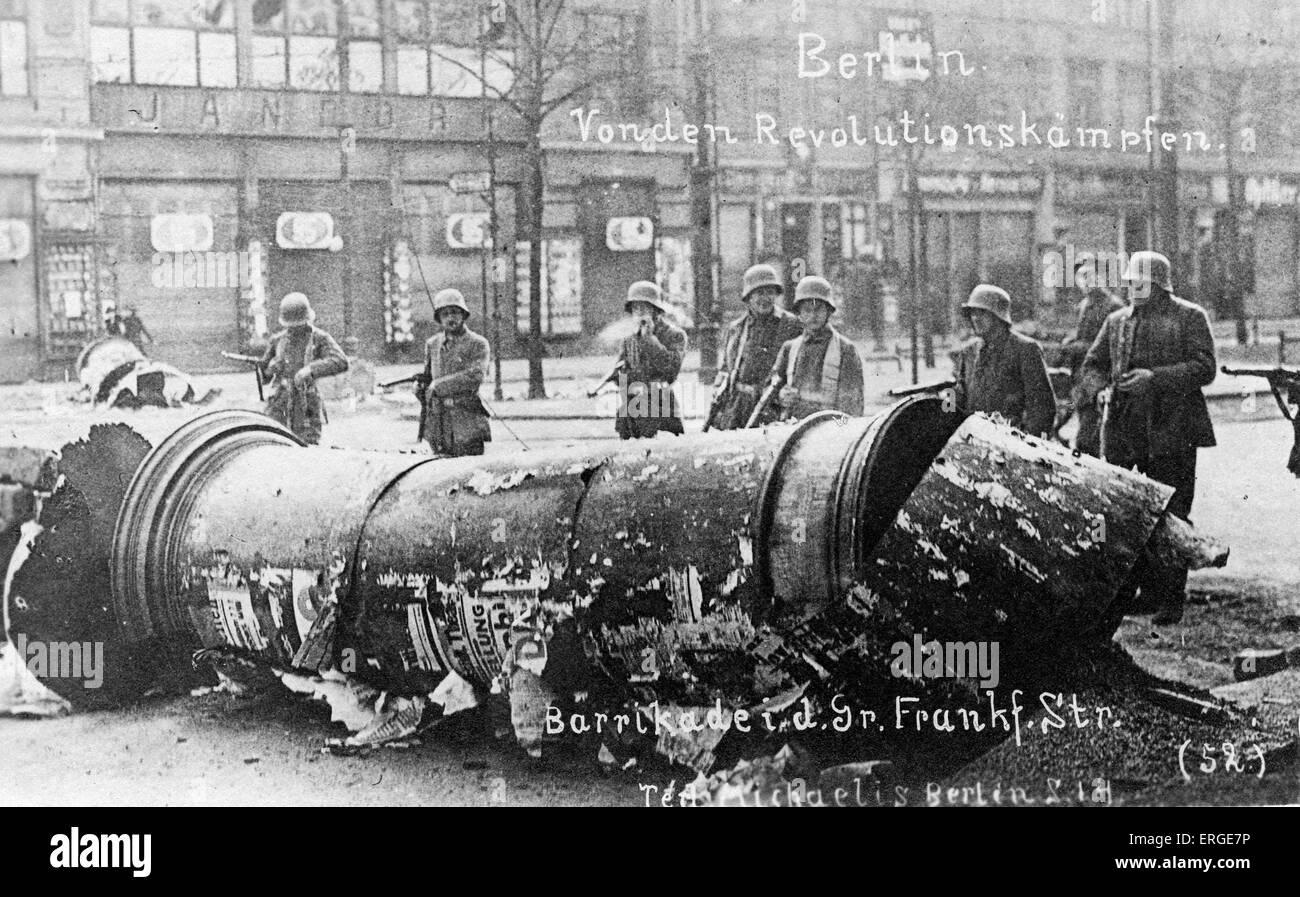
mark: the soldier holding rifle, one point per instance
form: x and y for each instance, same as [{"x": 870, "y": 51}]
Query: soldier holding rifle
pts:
[
  {"x": 1152, "y": 359},
  {"x": 294, "y": 360},
  {"x": 819, "y": 370},
  {"x": 455, "y": 421},
  {"x": 752, "y": 344},
  {"x": 1001, "y": 371},
  {"x": 648, "y": 363}
]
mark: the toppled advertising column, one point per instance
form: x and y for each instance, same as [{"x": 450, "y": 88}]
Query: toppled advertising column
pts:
[{"x": 722, "y": 566}]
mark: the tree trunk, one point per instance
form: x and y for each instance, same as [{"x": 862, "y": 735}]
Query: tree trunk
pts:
[{"x": 534, "y": 198}]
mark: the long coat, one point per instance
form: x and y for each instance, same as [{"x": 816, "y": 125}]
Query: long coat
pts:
[
  {"x": 456, "y": 421},
  {"x": 1005, "y": 374},
  {"x": 1171, "y": 337},
  {"x": 753, "y": 342},
  {"x": 809, "y": 376},
  {"x": 651, "y": 364},
  {"x": 300, "y": 407}
]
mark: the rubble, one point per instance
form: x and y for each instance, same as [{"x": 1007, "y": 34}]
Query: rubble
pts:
[{"x": 114, "y": 373}]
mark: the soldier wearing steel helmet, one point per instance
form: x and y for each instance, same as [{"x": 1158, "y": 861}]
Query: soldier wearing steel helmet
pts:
[
  {"x": 1146, "y": 368},
  {"x": 1001, "y": 371},
  {"x": 752, "y": 344},
  {"x": 295, "y": 359},
  {"x": 455, "y": 364},
  {"x": 648, "y": 364},
  {"x": 820, "y": 369}
]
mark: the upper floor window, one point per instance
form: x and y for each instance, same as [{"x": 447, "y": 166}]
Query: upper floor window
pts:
[
  {"x": 171, "y": 42},
  {"x": 13, "y": 48}
]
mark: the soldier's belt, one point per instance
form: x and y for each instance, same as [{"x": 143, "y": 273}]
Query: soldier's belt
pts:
[
  {"x": 745, "y": 389},
  {"x": 446, "y": 402}
]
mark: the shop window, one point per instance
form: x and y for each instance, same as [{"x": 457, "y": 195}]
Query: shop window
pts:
[
  {"x": 182, "y": 43},
  {"x": 13, "y": 48}
]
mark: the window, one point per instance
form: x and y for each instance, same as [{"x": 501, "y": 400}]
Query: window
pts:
[
  {"x": 1083, "y": 89},
  {"x": 438, "y": 50},
  {"x": 13, "y": 48},
  {"x": 411, "y": 27},
  {"x": 615, "y": 59},
  {"x": 365, "y": 52},
  {"x": 1134, "y": 99},
  {"x": 171, "y": 42}
]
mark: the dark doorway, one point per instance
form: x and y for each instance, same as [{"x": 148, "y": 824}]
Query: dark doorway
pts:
[
  {"x": 607, "y": 272},
  {"x": 318, "y": 272}
]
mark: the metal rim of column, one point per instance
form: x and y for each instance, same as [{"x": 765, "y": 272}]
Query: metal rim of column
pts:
[
  {"x": 767, "y": 493},
  {"x": 157, "y": 495}
]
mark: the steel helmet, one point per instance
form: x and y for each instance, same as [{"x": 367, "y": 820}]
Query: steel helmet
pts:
[
  {"x": 757, "y": 277},
  {"x": 994, "y": 300},
  {"x": 814, "y": 287},
  {"x": 1150, "y": 267},
  {"x": 449, "y": 299},
  {"x": 647, "y": 292},
  {"x": 295, "y": 309}
]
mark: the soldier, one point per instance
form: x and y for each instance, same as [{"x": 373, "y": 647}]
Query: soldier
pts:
[
  {"x": 753, "y": 342},
  {"x": 455, "y": 363},
  {"x": 296, "y": 358},
  {"x": 1145, "y": 371},
  {"x": 1002, "y": 371},
  {"x": 820, "y": 369},
  {"x": 1096, "y": 304},
  {"x": 648, "y": 363}
]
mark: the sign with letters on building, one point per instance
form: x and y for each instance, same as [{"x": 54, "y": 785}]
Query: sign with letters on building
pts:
[
  {"x": 469, "y": 230},
  {"x": 181, "y": 233},
  {"x": 304, "y": 230},
  {"x": 629, "y": 234}
]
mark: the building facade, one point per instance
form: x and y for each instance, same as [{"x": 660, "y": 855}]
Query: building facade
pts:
[{"x": 198, "y": 160}]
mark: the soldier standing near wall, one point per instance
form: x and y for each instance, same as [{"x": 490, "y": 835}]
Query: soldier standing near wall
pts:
[
  {"x": 455, "y": 364},
  {"x": 296, "y": 358},
  {"x": 752, "y": 344}
]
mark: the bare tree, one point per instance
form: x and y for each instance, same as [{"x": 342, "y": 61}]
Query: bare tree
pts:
[{"x": 554, "y": 56}]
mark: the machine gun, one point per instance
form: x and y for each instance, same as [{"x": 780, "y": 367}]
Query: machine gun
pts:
[
  {"x": 1278, "y": 378},
  {"x": 256, "y": 362}
]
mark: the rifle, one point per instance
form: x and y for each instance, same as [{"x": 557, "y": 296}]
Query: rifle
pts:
[
  {"x": 254, "y": 360},
  {"x": 720, "y": 399},
  {"x": 936, "y": 387},
  {"x": 609, "y": 378},
  {"x": 1277, "y": 378},
  {"x": 763, "y": 401},
  {"x": 414, "y": 378}
]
